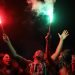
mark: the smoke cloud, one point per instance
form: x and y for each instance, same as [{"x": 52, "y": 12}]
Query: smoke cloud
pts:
[{"x": 41, "y": 7}]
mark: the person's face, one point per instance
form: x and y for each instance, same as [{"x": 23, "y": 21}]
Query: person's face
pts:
[
  {"x": 6, "y": 59},
  {"x": 39, "y": 54}
]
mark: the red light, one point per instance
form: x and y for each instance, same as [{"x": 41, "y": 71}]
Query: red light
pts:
[
  {"x": 2, "y": 17},
  {"x": 6, "y": 16},
  {"x": 0, "y": 20}
]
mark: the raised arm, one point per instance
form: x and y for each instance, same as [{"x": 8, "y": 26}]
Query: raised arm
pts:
[
  {"x": 12, "y": 50},
  {"x": 46, "y": 38},
  {"x": 62, "y": 37},
  {"x": 46, "y": 54}
]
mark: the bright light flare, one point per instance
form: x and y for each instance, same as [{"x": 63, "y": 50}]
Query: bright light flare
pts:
[
  {"x": 49, "y": 13},
  {"x": 1, "y": 24},
  {"x": 47, "y": 10},
  {"x": 0, "y": 20}
]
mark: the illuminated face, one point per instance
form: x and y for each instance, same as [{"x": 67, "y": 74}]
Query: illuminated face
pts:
[
  {"x": 39, "y": 54},
  {"x": 6, "y": 59}
]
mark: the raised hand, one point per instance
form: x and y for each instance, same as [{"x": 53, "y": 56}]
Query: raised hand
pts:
[
  {"x": 5, "y": 38},
  {"x": 46, "y": 37},
  {"x": 64, "y": 35}
]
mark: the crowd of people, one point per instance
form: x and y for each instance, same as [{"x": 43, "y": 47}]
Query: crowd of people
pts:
[{"x": 61, "y": 62}]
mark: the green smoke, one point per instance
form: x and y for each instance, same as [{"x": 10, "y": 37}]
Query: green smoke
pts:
[{"x": 44, "y": 8}]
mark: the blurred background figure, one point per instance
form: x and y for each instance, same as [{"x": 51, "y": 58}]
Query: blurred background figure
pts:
[
  {"x": 73, "y": 64},
  {"x": 65, "y": 62},
  {"x": 9, "y": 66}
]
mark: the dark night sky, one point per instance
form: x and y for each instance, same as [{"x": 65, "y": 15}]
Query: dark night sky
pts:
[{"x": 27, "y": 34}]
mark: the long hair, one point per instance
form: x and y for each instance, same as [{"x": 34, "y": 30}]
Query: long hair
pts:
[{"x": 65, "y": 60}]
